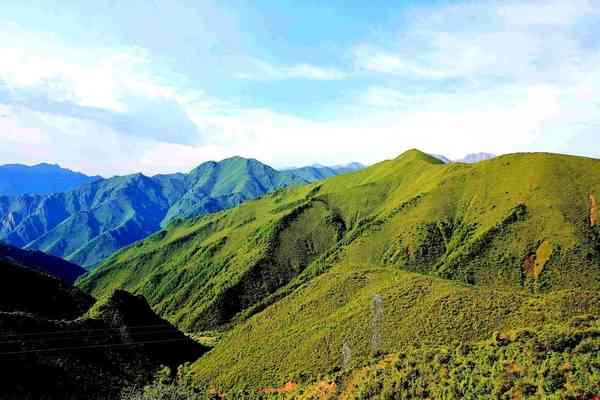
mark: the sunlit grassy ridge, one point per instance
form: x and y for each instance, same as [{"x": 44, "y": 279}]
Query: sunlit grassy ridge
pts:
[
  {"x": 293, "y": 273},
  {"x": 481, "y": 224}
]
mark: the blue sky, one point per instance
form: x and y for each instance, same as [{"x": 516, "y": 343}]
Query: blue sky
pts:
[{"x": 116, "y": 87}]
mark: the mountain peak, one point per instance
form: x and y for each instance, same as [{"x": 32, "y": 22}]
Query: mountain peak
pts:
[
  {"x": 43, "y": 178},
  {"x": 416, "y": 154}
]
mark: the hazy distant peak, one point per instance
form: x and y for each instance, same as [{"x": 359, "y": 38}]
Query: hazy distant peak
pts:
[
  {"x": 476, "y": 157},
  {"x": 471, "y": 158},
  {"x": 354, "y": 166},
  {"x": 43, "y": 178}
]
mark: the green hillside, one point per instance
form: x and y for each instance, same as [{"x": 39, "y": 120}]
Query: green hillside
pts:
[
  {"x": 88, "y": 224},
  {"x": 559, "y": 361},
  {"x": 505, "y": 243},
  {"x": 302, "y": 336}
]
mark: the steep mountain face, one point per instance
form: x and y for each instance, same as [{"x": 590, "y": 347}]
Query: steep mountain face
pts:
[
  {"x": 88, "y": 224},
  {"x": 42, "y": 262},
  {"x": 350, "y": 167},
  {"x": 216, "y": 186},
  {"x": 454, "y": 251},
  {"x": 50, "y": 349},
  {"x": 17, "y": 179}
]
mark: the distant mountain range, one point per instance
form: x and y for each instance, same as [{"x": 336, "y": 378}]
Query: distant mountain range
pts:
[
  {"x": 468, "y": 159},
  {"x": 317, "y": 172},
  {"x": 18, "y": 179},
  {"x": 87, "y": 224}
]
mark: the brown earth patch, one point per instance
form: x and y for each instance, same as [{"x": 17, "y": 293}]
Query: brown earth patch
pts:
[
  {"x": 324, "y": 390},
  {"x": 534, "y": 264},
  {"x": 517, "y": 394},
  {"x": 512, "y": 368},
  {"x": 529, "y": 265},
  {"x": 288, "y": 387},
  {"x": 352, "y": 382},
  {"x": 593, "y": 206}
]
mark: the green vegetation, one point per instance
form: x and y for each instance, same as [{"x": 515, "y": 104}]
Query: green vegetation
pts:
[
  {"x": 302, "y": 336},
  {"x": 455, "y": 251},
  {"x": 558, "y": 362}
]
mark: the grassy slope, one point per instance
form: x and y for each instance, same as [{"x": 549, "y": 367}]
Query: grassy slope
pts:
[
  {"x": 519, "y": 224},
  {"x": 559, "y": 361},
  {"x": 302, "y": 335},
  {"x": 193, "y": 272}
]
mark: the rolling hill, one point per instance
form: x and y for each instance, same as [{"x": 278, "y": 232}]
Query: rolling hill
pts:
[
  {"x": 55, "y": 346},
  {"x": 18, "y": 179},
  {"x": 456, "y": 252},
  {"x": 89, "y": 223}
]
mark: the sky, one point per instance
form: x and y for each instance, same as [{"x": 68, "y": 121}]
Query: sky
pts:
[{"x": 116, "y": 87}]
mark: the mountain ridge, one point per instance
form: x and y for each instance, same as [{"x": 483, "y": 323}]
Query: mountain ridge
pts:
[
  {"x": 87, "y": 224},
  {"x": 413, "y": 212},
  {"x": 42, "y": 178}
]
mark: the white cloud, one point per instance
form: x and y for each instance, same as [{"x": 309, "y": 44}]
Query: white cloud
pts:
[
  {"x": 117, "y": 87},
  {"x": 547, "y": 12},
  {"x": 520, "y": 80},
  {"x": 522, "y": 41},
  {"x": 383, "y": 61},
  {"x": 263, "y": 69}
]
